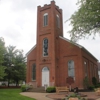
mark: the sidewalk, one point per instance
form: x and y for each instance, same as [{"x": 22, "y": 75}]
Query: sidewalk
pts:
[
  {"x": 56, "y": 96},
  {"x": 37, "y": 96}
]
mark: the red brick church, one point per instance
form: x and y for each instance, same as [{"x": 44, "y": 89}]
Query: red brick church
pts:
[{"x": 54, "y": 58}]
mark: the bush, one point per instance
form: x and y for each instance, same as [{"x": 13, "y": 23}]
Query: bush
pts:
[
  {"x": 51, "y": 89},
  {"x": 74, "y": 96},
  {"x": 86, "y": 82},
  {"x": 23, "y": 88},
  {"x": 97, "y": 86},
  {"x": 94, "y": 81},
  {"x": 91, "y": 87},
  {"x": 3, "y": 84}
]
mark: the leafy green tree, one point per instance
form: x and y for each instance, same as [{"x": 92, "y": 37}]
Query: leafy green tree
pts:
[
  {"x": 9, "y": 61},
  {"x": 19, "y": 68},
  {"x": 2, "y": 52},
  {"x": 85, "y": 21},
  {"x": 15, "y": 65}
]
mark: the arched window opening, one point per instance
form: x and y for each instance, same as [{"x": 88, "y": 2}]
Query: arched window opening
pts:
[
  {"x": 86, "y": 68},
  {"x": 45, "y": 69},
  {"x": 45, "y": 19},
  {"x": 58, "y": 21},
  {"x": 71, "y": 69},
  {"x": 34, "y": 72},
  {"x": 45, "y": 47}
]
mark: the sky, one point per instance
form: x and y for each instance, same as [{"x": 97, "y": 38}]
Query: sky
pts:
[{"x": 18, "y": 23}]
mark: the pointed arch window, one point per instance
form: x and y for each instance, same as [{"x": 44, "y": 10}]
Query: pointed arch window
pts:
[
  {"x": 58, "y": 21},
  {"x": 71, "y": 69},
  {"x": 45, "y": 19},
  {"x": 34, "y": 72},
  {"x": 45, "y": 47}
]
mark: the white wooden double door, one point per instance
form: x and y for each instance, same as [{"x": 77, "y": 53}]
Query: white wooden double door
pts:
[{"x": 45, "y": 76}]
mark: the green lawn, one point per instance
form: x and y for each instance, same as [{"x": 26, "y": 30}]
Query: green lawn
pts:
[{"x": 12, "y": 94}]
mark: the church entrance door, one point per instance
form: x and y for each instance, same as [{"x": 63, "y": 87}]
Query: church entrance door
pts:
[{"x": 45, "y": 76}]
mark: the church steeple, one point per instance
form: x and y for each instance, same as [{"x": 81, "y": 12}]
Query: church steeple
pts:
[
  {"x": 49, "y": 28},
  {"x": 49, "y": 17}
]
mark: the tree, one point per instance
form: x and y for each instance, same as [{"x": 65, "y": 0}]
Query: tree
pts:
[
  {"x": 19, "y": 68},
  {"x": 9, "y": 61},
  {"x": 2, "y": 52},
  {"x": 85, "y": 21},
  {"x": 15, "y": 65}
]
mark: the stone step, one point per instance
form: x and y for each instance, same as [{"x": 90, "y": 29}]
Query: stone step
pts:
[{"x": 38, "y": 89}]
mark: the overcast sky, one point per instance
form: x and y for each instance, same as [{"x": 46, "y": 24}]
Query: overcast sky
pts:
[{"x": 18, "y": 23}]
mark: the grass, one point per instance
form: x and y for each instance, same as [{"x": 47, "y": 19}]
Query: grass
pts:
[{"x": 12, "y": 94}]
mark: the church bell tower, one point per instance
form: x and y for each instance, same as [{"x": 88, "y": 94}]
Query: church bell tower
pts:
[{"x": 49, "y": 28}]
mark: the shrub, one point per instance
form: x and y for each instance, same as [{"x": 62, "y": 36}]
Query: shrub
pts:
[
  {"x": 74, "y": 96},
  {"x": 96, "y": 86},
  {"x": 23, "y": 88},
  {"x": 94, "y": 81},
  {"x": 86, "y": 82},
  {"x": 51, "y": 89},
  {"x": 99, "y": 84},
  {"x": 3, "y": 84},
  {"x": 91, "y": 87}
]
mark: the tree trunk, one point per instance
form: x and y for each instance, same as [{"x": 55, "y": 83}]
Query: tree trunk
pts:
[
  {"x": 17, "y": 83},
  {"x": 8, "y": 82}
]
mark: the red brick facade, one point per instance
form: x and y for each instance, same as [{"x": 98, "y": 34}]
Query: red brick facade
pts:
[{"x": 60, "y": 52}]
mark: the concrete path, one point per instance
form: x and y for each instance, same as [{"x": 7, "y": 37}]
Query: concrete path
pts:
[
  {"x": 37, "y": 96},
  {"x": 43, "y": 96}
]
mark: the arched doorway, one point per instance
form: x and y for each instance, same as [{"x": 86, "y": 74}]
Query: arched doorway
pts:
[{"x": 45, "y": 76}]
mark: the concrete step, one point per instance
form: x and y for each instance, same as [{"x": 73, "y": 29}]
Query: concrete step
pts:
[{"x": 38, "y": 89}]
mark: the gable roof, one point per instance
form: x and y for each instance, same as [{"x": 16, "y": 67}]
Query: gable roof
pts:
[
  {"x": 71, "y": 42},
  {"x": 78, "y": 45},
  {"x": 30, "y": 50}
]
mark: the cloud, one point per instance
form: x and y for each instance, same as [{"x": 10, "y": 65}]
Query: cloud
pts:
[
  {"x": 17, "y": 28},
  {"x": 11, "y": 32},
  {"x": 19, "y": 5},
  {"x": 18, "y": 23}
]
